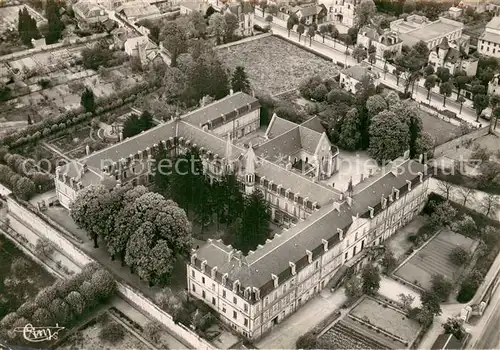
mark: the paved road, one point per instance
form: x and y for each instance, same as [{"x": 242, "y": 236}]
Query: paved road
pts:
[{"x": 488, "y": 336}]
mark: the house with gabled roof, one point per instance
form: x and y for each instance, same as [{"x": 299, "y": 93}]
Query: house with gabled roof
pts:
[
  {"x": 310, "y": 13},
  {"x": 89, "y": 14}
]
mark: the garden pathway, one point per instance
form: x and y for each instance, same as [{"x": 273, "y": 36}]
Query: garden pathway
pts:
[{"x": 55, "y": 150}]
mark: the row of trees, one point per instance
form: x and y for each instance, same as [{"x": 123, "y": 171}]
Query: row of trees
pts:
[
  {"x": 27, "y": 27},
  {"x": 142, "y": 228},
  {"x": 65, "y": 302},
  {"x": 246, "y": 217}
]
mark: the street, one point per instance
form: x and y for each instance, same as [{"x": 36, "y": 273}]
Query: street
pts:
[{"x": 488, "y": 335}]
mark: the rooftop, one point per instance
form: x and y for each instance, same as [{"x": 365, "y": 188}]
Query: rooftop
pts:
[
  {"x": 494, "y": 23},
  {"x": 358, "y": 72},
  {"x": 492, "y": 38}
]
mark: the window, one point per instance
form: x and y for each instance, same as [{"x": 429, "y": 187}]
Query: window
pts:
[
  {"x": 213, "y": 286},
  {"x": 245, "y": 307},
  {"x": 224, "y": 293},
  {"x": 246, "y": 322},
  {"x": 224, "y": 309},
  {"x": 193, "y": 274},
  {"x": 235, "y": 301},
  {"x": 266, "y": 300},
  {"x": 235, "y": 315},
  {"x": 316, "y": 265},
  {"x": 193, "y": 287},
  {"x": 213, "y": 300},
  {"x": 203, "y": 294},
  {"x": 203, "y": 280},
  {"x": 346, "y": 256}
]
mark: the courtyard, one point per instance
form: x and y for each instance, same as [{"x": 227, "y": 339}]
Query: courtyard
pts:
[
  {"x": 433, "y": 259},
  {"x": 274, "y": 65}
]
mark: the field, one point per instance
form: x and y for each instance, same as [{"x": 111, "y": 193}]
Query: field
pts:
[
  {"x": 273, "y": 65},
  {"x": 372, "y": 324},
  {"x": 9, "y": 17},
  {"x": 440, "y": 130},
  {"x": 434, "y": 259},
  {"x": 88, "y": 337},
  {"x": 17, "y": 287}
]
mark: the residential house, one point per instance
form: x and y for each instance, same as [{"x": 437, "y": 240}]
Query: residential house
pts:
[
  {"x": 141, "y": 47},
  {"x": 137, "y": 10},
  {"x": 352, "y": 76},
  {"x": 489, "y": 42},
  {"x": 89, "y": 14},
  {"x": 479, "y": 6},
  {"x": 383, "y": 41},
  {"x": 494, "y": 85},
  {"x": 187, "y": 7},
  {"x": 455, "y": 12},
  {"x": 246, "y": 17},
  {"x": 450, "y": 57},
  {"x": 344, "y": 12},
  {"x": 415, "y": 28},
  {"x": 310, "y": 13}
]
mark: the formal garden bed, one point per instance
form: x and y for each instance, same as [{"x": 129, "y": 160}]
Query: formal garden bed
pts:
[
  {"x": 21, "y": 278},
  {"x": 263, "y": 60},
  {"x": 75, "y": 142}
]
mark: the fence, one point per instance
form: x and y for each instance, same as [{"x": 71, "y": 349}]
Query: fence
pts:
[
  {"x": 460, "y": 141},
  {"x": 30, "y": 221}
]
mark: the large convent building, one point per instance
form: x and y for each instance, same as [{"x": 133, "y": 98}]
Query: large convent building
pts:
[{"x": 327, "y": 230}]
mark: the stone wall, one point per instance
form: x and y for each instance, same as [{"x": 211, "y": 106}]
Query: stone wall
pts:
[{"x": 460, "y": 141}]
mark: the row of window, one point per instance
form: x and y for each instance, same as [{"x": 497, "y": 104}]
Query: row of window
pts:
[{"x": 235, "y": 299}]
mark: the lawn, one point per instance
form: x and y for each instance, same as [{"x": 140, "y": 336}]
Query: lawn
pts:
[
  {"x": 273, "y": 65},
  {"x": 434, "y": 259},
  {"x": 440, "y": 130},
  {"x": 386, "y": 317},
  {"x": 18, "y": 287},
  {"x": 88, "y": 337}
]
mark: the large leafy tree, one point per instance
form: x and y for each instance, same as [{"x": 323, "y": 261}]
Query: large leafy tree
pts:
[
  {"x": 217, "y": 26},
  {"x": 232, "y": 24},
  {"x": 139, "y": 244},
  {"x": 370, "y": 277},
  {"x": 157, "y": 264},
  {"x": 480, "y": 103},
  {"x": 364, "y": 12},
  {"x": 388, "y": 137},
  {"x": 239, "y": 80},
  {"x": 409, "y": 114},
  {"x": 376, "y": 104},
  {"x": 174, "y": 40},
  {"x": 253, "y": 227},
  {"x": 134, "y": 124},
  {"x": 411, "y": 62},
  {"x": 359, "y": 53},
  {"x": 350, "y": 137}
]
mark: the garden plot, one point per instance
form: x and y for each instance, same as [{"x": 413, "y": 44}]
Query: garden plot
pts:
[
  {"x": 89, "y": 337},
  {"x": 20, "y": 283},
  {"x": 440, "y": 130},
  {"x": 433, "y": 259},
  {"x": 273, "y": 65}
]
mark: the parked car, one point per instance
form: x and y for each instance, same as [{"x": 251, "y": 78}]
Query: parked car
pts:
[{"x": 263, "y": 29}]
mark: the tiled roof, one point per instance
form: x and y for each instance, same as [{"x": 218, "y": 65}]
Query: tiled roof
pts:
[
  {"x": 138, "y": 9},
  {"x": 309, "y": 139},
  {"x": 286, "y": 144},
  {"x": 225, "y": 106},
  {"x": 357, "y": 72},
  {"x": 278, "y": 126},
  {"x": 314, "y": 123}
]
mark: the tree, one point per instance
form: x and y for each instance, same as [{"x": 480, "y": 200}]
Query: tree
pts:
[
  {"x": 461, "y": 80},
  {"x": 253, "y": 227},
  {"x": 446, "y": 90},
  {"x": 134, "y": 124},
  {"x": 19, "y": 267},
  {"x": 364, "y": 12},
  {"x": 269, "y": 19},
  {"x": 430, "y": 82},
  {"x": 388, "y": 261},
  {"x": 410, "y": 63},
  {"x": 372, "y": 54},
  {"x": 88, "y": 100},
  {"x": 446, "y": 188},
  {"x": 376, "y": 104},
  {"x": 45, "y": 296},
  {"x": 41, "y": 317},
  {"x": 389, "y": 137},
  {"x": 27, "y": 309},
  {"x": 156, "y": 266},
  {"x": 139, "y": 244},
  {"x": 424, "y": 145},
  {"x": 455, "y": 326},
  {"x": 232, "y": 23},
  {"x": 465, "y": 193},
  {"x": 323, "y": 30},
  {"x": 410, "y": 116},
  {"x": 76, "y": 302},
  {"x": 443, "y": 74},
  {"x": 311, "y": 32},
  {"x": 461, "y": 100},
  {"x": 174, "y": 40},
  {"x": 359, "y": 53},
  {"x": 480, "y": 103},
  {"x": 370, "y": 277},
  {"x": 217, "y": 26},
  {"x": 44, "y": 248},
  {"x": 239, "y": 80},
  {"x": 459, "y": 256},
  {"x": 55, "y": 24},
  {"x": 350, "y": 137},
  {"x": 406, "y": 301},
  {"x": 441, "y": 287},
  {"x": 24, "y": 188},
  {"x": 307, "y": 341},
  {"x": 291, "y": 22},
  {"x": 263, "y": 6},
  {"x": 334, "y": 32},
  {"x": 300, "y": 30},
  {"x": 392, "y": 99},
  {"x": 353, "y": 287},
  {"x": 153, "y": 331},
  {"x": 199, "y": 24},
  {"x": 443, "y": 215},
  {"x": 409, "y": 6},
  {"x": 27, "y": 27},
  {"x": 490, "y": 204},
  {"x": 60, "y": 310},
  {"x": 430, "y": 302}
]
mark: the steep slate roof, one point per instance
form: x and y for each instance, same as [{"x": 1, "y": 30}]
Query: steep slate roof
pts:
[
  {"x": 225, "y": 106},
  {"x": 274, "y": 257},
  {"x": 309, "y": 139},
  {"x": 314, "y": 123},
  {"x": 287, "y": 144},
  {"x": 278, "y": 126}
]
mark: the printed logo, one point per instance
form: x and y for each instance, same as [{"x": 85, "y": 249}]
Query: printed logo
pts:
[{"x": 39, "y": 334}]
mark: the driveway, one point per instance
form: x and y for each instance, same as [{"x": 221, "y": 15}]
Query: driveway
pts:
[{"x": 284, "y": 335}]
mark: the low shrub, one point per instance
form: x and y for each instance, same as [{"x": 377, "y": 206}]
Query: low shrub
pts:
[{"x": 112, "y": 333}]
